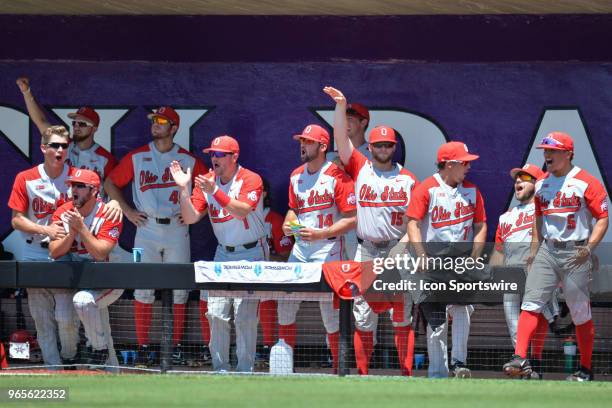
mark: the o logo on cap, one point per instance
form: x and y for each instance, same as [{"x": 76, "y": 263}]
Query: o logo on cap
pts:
[
  {"x": 161, "y": 110},
  {"x": 216, "y": 141},
  {"x": 308, "y": 129},
  {"x": 383, "y": 131},
  {"x": 78, "y": 173},
  {"x": 346, "y": 267},
  {"x": 526, "y": 166}
]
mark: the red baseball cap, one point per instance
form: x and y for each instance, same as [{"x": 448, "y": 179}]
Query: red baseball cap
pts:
[
  {"x": 455, "y": 151},
  {"x": 531, "y": 169},
  {"x": 359, "y": 109},
  {"x": 84, "y": 176},
  {"x": 86, "y": 113},
  {"x": 166, "y": 112},
  {"x": 382, "y": 134},
  {"x": 314, "y": 132},
  {"x": 557, "y": 141},
  {"x": 225, "y": 144}
]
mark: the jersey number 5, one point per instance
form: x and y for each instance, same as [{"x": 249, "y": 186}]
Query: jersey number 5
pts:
[{"x": 571, "y": 221}]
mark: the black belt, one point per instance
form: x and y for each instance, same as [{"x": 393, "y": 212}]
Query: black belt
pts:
[
  {"x": 379, "y": 244},
  {"x": 249, "y": 245},
  {"x": 164, "y": 221},
  {"x": 44, "y": 244},
  {"x": 565, "y": 244}
]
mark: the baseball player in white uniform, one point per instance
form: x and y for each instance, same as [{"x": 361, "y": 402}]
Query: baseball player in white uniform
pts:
[
  {"x": 84, "y": 152},
  {"x": 446, "y": 208},
  {"x": 231, "y": 196},
  {"x": 383, "y": 192},
  {"x": 322, "y": 202},
  {"x": 89, "y": 237},
  {"x": 36, "y": 194},
  {"x": 567, "y": 200},
  {"x": 161, "y": 232}
]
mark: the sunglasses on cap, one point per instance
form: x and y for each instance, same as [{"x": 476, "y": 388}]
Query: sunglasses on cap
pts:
[
  {"x": 525, "y": 177},
  {"x": 160, "y": 121},
  {"x": 461, "y": 162},
  {"x": 219, "y": 154},
  {"x": 57, "y": 145},
  {"x": 549, "y": 141},
  {"x": 80, "y": 123},
  {"x": 380, "y": 145},
  {"x": 79, "y": 185}
]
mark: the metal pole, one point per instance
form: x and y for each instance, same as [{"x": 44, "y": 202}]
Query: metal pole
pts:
[
  {"x": 346, "y": 308},
  {"x": 165, "y": 347}
]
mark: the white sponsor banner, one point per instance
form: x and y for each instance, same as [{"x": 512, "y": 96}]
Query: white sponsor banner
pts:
[{"x": 257, "y": 272}]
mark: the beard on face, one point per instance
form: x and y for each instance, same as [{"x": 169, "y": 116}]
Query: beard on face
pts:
[
  {"x": 382, "y": 158},
  {"x": 79, "y": 138},
  {"x": 307, "y": 157}
]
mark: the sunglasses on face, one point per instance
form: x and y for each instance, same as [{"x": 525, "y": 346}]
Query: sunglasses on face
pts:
[
  {"x": 218, "y": 154},
  {"x": 381, "y": 145},
  {"x": 461, "y": 162},
  {"x": 79, "y": 185},
  {"x": 525, "y": 177},
  {"x": 80, "y": 123},
  {"x": 160, "y": 121},
  {"x": 57, "y": 145},
  {"x": 307, "y": 141}
]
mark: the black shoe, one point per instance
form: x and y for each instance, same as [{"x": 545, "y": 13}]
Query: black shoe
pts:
[
  {"x": 262, "y": 360},
  {"x": 70, "y": 363},
  {"x": 536, "y": 371},
  {"x": 202, "y": 358},
  {"x": 584, "y": 374},
  {"x": 178, "y": 356},
  {"x": 97, "y": 357},
  {"x": 517, "y": 367},
  {"x": 459, "y": 370},
  {"x": 143, "y": 357}
]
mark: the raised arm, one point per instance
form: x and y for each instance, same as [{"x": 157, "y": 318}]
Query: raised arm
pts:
[
  {"x": 35, "y": 111},
  {"x": 344, "y": 144}
]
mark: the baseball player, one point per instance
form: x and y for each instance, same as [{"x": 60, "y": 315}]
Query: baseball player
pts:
[
  {"x": 357, "y": 121},
  {"x": 512, "y": 244},
  {"x": 567, "y": 199},
  {"x": 322, "y": 202},
  {"x": 36, "y": 194},
  {"x": 280, "y": 247},
  {"x": 160, "y": 231},
  {"x": 446, "y": 208},
  {"x": 383, "y": 193},
  {"x": 84, "y": 153},
  {"x": 231, "y": 196},
  {"x": 89, "y": 237}
]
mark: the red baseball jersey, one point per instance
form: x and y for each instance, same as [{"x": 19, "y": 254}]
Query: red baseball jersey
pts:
[
  {"x": 319, "y": 199},
  {"x": 568, "y": 204},
  {"x": 245, "y": 187},
  {"x": 100, "y": 227},
  {"x": 279, "y": 243},
  {"x": 382, "y": 198},
  {"x": 514, "y": 233},
  {"x": 447, "y": 213},
  {"x": 154, "y": 191},
  {"x": 96, "y": 158},
  {"x": 37, "y": 196}
]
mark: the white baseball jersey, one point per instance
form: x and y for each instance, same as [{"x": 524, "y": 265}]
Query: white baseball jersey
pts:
[
  {"x": 100, "y": 227},
  {"x": 319, "y": 199},
  {"x": 514, "y": 232},
  {"x": 245, "y": 187},
  {"x": 382, "y": 198},
  {"x": 96, "y": 158},
  {"x": 37, "y": 196},
  {"x": 568, "y": 204},
  {"x": 448, "y": 213},
  {"x": 154, "y": 191}
]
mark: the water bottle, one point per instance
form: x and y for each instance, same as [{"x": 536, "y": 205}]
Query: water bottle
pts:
[
  {"x": 281, "y": 358},
  {"x": 569, "y": 351}
]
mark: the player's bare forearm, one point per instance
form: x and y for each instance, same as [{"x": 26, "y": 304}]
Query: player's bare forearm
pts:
[
  {"x": 480, "y": 236},
  {"x": 415, "y": 236},
  {"x": 238, "y": 209},
  {"x": 60, "y": 247},
  {"x": 97, "y": 248},
  {"x": 115, "y": 194},
  {"x": 343, "y": 225},
  {"x": 291, "y": 216},
  {"x": 497, "y": 258},
  {"x": 536, "y": 235},
  {"x": 343, "y": 142},
  {"x": 599, "y": 231},
  {"x": 21, "y": 223},
  {"x": 188, "y": 212},
  {"x": 35, "y": 111}
]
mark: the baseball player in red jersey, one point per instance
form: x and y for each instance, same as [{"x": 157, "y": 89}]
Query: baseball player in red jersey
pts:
[
  {"x": 446, "y": 208},
  {"x": 231, "y": 196},
  {"x": 280, "y": 247},
  {"x": 84, "y": 152},
  {"x": 36, "y": 194},
  {"x": 383, "y": 193},
  {"x": 322, "y": 202},
  {"x": 89, "y": 237},
  {"x": 512, "y": 245},
  {"x": 160, "y": 231},
  {"x": 567, "y": 199}
]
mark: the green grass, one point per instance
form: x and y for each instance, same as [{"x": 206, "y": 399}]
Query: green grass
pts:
[{"x": 119, "y": 391}]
